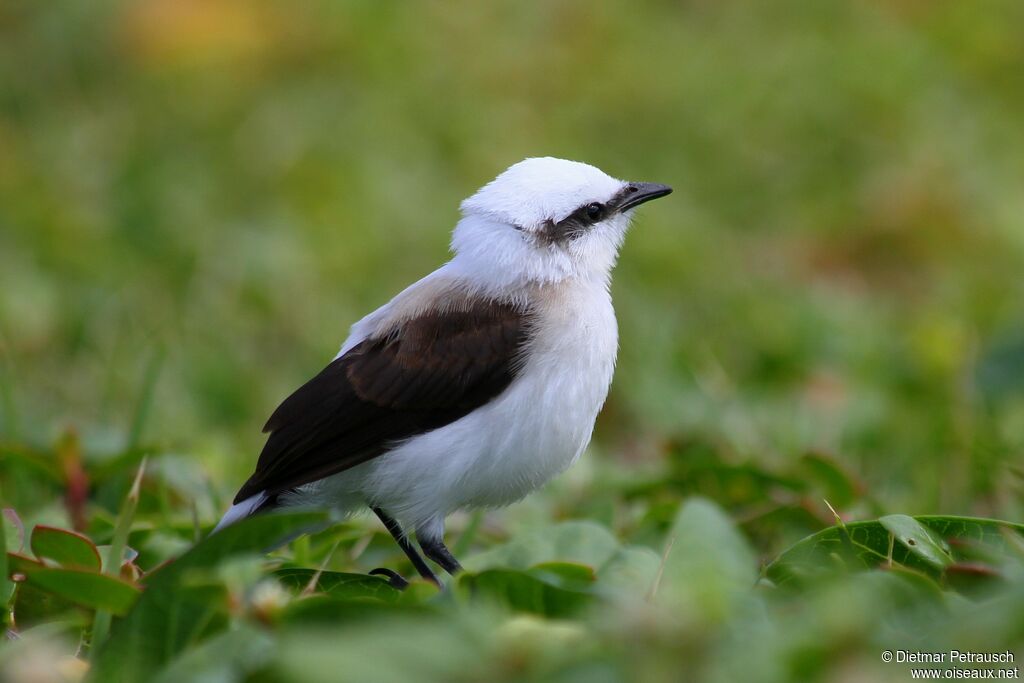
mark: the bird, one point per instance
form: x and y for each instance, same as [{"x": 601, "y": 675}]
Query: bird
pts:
[{"x": 473, "y": 386}]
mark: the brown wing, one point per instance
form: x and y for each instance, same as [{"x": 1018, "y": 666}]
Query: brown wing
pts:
[{"x": 431, "y": 371}]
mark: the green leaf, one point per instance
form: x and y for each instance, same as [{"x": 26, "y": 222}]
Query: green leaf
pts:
[
  {"x": 988, "y": 532},
  {"x": 85, "y": 588},
  {"x": 67, "y": 548},
  {"x": 338, "y": 584},
  {"x": 929, "y": 545},
  {"x": 544, "y": 590},
  {"x": 708, "y": 564},
  {"x": 22, "y": 564},
  {"x": 565, "y": 573},
  {"x": 171, "y": 615},
  {"x": 918, "y": 539},
  {"x": 582, "y": 558}
]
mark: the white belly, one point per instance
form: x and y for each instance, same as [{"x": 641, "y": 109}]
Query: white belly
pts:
[{"x": 514, "y": 444}]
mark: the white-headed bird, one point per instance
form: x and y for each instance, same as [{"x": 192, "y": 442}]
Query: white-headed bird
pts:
[{"x": 475, "y": 385}]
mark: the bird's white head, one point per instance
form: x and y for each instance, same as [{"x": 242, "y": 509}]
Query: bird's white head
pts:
[{"x": 546, "y": 220}]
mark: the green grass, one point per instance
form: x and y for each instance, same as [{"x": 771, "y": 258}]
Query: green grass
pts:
[{"x": 196, "y": 201}]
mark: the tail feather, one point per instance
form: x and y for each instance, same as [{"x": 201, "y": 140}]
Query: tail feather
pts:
[{"x": 240, "y": 511}]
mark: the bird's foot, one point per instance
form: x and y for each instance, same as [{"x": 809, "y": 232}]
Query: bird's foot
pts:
[{"x": 395, "y": 580}]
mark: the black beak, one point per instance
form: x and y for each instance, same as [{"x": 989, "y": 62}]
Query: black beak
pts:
[{"x": 635, "y": 194}]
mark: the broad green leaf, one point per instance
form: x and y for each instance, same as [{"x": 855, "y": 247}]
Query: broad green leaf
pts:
[
  {"x": 987, "y": 532},
  {"x": 22, "y": 564},
  {"x": 858, "y": 546},
  {"x": 539, "y": 591},
  {"x": 918, "y": 539},
  {"x": 708, "y": 564},
  {"x": 854, "y": 546},
  {"x": 171, "y": 615},
  {"x": 338, "y": 584},
  {"x": 67, "y": 548},
  {"x": 565, "y": 573},
  {"x": 571, "y": 550},
  {"x": 85, "y": 588}
]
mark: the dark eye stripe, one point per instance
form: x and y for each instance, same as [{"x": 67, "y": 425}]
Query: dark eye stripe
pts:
[{"x": 575, "y": 224}]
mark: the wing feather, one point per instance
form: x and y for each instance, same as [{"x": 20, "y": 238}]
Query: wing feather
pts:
[{"x": 428, "y": 372}]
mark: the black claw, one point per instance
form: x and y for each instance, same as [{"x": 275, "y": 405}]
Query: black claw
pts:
[
  {"x": 396, "y": 532},
  {"x": 395, "y": 580},
  {"x": 436, "y": 550}
]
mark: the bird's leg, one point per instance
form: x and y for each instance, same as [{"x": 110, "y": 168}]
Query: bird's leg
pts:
[
  {"x": 407, "y": 547},
  {"x": 435, "y": 549}
]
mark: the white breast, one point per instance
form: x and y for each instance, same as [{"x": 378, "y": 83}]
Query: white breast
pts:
[
  {"x": 514, "y": 444},
  {"x": 543, "y": 422}
]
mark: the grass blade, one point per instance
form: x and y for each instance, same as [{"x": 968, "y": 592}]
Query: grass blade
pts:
[{"x": 101, "y": 622}]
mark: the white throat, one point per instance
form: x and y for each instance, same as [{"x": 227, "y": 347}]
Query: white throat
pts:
[{"x": 495, "y": 255}]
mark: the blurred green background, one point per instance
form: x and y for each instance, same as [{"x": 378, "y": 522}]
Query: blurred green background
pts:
[
  {"x": 198, "y": 198},
  {"x": 230, "y": 185}
]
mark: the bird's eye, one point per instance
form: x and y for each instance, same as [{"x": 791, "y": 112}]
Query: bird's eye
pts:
[{"x": 594, "y": 211}]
